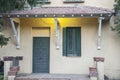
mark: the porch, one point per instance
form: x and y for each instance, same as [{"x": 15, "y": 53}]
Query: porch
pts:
[
  {"x": 54, "y": 22},
  {"x": 40, "y": 76}
]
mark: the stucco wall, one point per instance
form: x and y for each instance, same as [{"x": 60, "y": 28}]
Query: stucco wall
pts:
[
  {"x": 69, "y": 65},
  {"x": 111, "y": 47},
  {"x": 97, "y": 3}
]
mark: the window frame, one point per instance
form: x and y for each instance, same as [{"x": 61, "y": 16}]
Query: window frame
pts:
[
  {"x": 73, "y": 1},
  {"x": 76, "y": 49},
  {"x": 46, "y": 1}
]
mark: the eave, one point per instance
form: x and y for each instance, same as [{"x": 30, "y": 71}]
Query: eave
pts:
[{"x": 60, "y": 12}]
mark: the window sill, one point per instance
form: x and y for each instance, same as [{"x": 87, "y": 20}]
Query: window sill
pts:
[
  {"x": 73, "y": 1},
  {"x": 46, "y": 2},
  {"x": 72, "y": 56}
]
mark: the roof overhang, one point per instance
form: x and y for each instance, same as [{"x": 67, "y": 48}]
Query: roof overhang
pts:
[
  {"x": 61, "y": 12},
  {"x": 54, "y": 15}
]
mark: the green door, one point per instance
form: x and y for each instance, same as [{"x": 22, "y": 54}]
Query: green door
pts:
[{"x": 41, "y": 54}]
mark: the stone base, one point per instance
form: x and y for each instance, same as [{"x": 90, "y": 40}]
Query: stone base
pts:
[{"x": 11, "y": 77}]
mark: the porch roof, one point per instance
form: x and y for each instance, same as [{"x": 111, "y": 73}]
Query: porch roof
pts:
[{"x": 80, "y": 11}]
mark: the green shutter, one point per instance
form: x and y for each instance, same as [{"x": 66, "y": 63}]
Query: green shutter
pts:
[
  {"x": 72, "y": 41},
  {"x": 64, "y": 41},
  {"x": 78, "y": 41}
]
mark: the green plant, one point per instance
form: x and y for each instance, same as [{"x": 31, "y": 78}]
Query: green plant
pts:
[
  {"x": 117, "y": 5},
  {"x": 1, "y": 77},
  {"x": 3, "y": 40},
  {"x": 9, "y": 5},
  {"x": 117, "y": 20}
]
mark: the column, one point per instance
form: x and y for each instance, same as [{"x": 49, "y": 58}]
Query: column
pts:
[
  {"x": 93, "y": 73},
  {"x": 7, "y": 64},
  {"x": 100, "y": 67}
]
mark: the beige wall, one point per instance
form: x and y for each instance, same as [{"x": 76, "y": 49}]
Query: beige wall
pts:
[
  {"x": 111, "y": 47},
  {"x": 70, "y": 65},
  {"x": 97, "y": 3}
]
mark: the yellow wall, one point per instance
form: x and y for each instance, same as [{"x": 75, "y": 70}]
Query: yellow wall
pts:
[
  {"x": 58, "y": 63},
  {"x": 70, "y": 65}
]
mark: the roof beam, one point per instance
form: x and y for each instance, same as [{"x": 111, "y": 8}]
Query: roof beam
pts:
[
  {"x": 16, "y": 33},
  {"x": 55, "y": 15},
  {"x": 57, "y": 33},
  {"x": 99, "y": 31}
]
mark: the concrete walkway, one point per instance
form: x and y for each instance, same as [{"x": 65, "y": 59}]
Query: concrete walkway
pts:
[{"x": 40, "y": 76}]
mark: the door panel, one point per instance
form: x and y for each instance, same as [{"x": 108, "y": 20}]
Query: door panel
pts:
[{"x": 41, "y": 54}]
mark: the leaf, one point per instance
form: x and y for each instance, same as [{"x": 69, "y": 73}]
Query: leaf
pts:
[{"x": 3, "y": 40}]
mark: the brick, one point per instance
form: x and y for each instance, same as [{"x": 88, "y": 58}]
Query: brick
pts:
[
  {"x": 8, "y": 58},
  {"x": 19, "y": 57},
  {"x": 15, "y": 68},
  {"x": 93, "y": 72},
  {"x": 92, "y": 69},
  {"x": 99, "y": 59},
  {"x": 12, "y": 73}
]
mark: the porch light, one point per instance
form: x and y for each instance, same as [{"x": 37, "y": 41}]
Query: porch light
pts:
[
  {"x": 101, "y": 14},
  {"x": 27, "y": 15},
  {"x": 91, "y": 15},
  {"x": 45, "y": 15},
  {"x": 18, "y": 15},
  {"x": 82, "y": 15},
  {"x": 36, "y": 15},
  {"x": 73, "y": 15}
]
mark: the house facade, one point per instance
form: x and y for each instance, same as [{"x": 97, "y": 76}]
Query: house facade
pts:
[{"x": 63, "y": 37}]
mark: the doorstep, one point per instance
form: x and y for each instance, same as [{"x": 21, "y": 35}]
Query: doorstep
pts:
[{"x": 40, "y": 76}]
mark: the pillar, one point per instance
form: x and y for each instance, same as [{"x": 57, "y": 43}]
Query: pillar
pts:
[
  {"x": 7, "y": 64},
  {"x": 100, "y": 67},
  {"x": 93, "y": 73}
]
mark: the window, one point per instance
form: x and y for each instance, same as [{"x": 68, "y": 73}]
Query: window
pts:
[
  {"x": 73, "y": 1},
  {"x": 72, "y": 41},
  {"x": 43, "y": 1}
]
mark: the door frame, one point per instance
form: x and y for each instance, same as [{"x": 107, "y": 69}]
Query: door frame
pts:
[{"x": 49, "y": 45}]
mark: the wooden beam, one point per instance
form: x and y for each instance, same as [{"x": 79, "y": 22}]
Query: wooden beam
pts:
[
  {"x": 57, "y": 33},
  {"x": 99, "y": 31},
  {"x": 92, "y": 15},
  {"x": 16, "y": 33}
]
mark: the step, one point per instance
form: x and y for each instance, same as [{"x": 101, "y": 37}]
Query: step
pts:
[{"x": 40, "y": 76}]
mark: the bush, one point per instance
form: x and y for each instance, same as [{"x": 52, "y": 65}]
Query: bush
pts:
[
  {"x": 1, "y": 77},
  {"x": 3, "y": 40}
]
